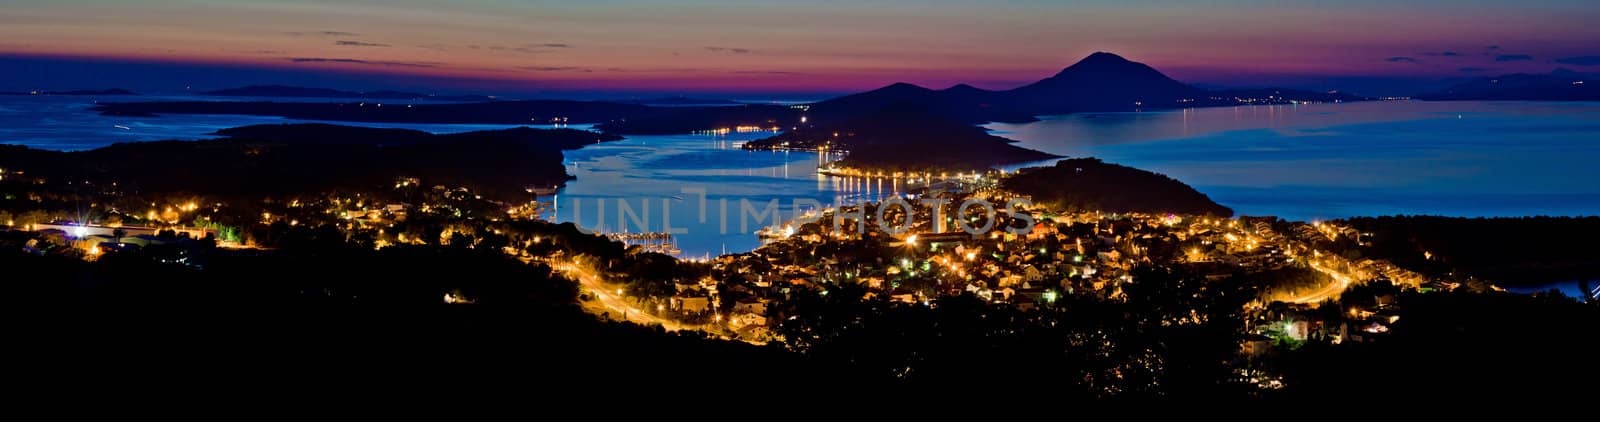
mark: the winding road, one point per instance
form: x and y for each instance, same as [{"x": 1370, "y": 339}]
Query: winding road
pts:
[
  {"x": 607, "y": 301},
  {"x": 1340, "y": 282}
]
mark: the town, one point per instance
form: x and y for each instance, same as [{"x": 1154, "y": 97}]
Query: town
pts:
[{"x": 1279, "y": 276}]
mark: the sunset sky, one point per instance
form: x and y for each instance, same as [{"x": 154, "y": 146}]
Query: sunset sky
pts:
[{"x": 770, "y": 47}]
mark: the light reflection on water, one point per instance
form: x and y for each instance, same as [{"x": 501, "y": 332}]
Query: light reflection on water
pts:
[{"x": 659, "y": 177}]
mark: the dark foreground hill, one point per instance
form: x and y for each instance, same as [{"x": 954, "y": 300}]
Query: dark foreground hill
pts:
[{"x": 1528, "y": 251}]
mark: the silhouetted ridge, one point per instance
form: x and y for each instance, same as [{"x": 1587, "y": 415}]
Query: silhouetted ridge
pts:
[{"x": 967, "y": 105}]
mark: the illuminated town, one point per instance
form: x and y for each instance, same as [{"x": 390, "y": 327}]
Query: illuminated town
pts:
[{"x": 1016, "y": 207}]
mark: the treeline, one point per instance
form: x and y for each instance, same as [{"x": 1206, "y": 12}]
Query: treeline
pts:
[
  {"x": 1499, "y": 347},
  {"x": 339, "y": 320},
  {"x": 1507, "y": 251},
  {"x": 1165, "y": 340}
]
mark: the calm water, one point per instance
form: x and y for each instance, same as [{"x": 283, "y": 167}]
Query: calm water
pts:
[
  {"x": 1338, "y": 160},
  {"x": 638, "y": 170},
  {"x": 65, "y": 122},
  {"x": 660, "y": 179},
  {"x": 1301, "y": 162}
]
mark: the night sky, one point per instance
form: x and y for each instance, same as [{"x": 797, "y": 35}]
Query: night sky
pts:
[{"x": 772, "y": 48}]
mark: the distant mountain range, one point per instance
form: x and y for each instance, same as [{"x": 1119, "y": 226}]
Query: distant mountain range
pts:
[
  {"x": 680, "y": 101},
  {"x": 281, "y": 91},
  {"x": 900, "y": 127},
  {"x": 1560, "y": 85},
  {"x": 1100, "y": 82},
  {"x": 113, "y": 91}
]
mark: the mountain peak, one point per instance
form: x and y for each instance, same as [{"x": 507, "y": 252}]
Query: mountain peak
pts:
[
  {"x": 1101, "y": 56},
  {"x": 903, "y": 86},
  {"x": 1102, "y": 81},
  {"x": 1104, "y": 62}
]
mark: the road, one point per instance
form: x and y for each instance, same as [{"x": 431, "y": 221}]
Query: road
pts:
[
  {"x": 1340, "y": 282},
  {"x": 607, "y": 301}
]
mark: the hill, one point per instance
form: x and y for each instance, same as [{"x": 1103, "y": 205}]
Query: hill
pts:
[
  {"x": 1560, "y": 85},
  {"x": 1102, "y": 82},
  {"x": 961, "y": 103},
  {"x": 1088, "y": 184}
]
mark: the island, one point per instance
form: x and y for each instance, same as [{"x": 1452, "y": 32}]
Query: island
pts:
[
  {"x": 1558, "y": 85},
  {"x": 87, "y": 92},
  {"x": 904, "y": 139},
  {"x": 532, "y": 112},
  {"x": 1088, "y": 184},
  {"x": 277, "y": 160},
  {"x": 281, "y": 91}
]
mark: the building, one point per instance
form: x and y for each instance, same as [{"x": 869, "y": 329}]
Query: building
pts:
[
  {"x": 80, "y": 231},
  {"x": 691, "y": 305},
  {"x": 750, "y": 305}
]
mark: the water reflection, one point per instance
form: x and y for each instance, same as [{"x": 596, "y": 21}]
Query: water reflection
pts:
[{"x": 705, "y": 186}]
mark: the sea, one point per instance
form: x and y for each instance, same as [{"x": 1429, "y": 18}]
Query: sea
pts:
[{"x": 1301, "y": 162}]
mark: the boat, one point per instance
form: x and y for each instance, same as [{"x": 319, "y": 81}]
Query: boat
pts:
[{"x": 122, "y": 127}]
